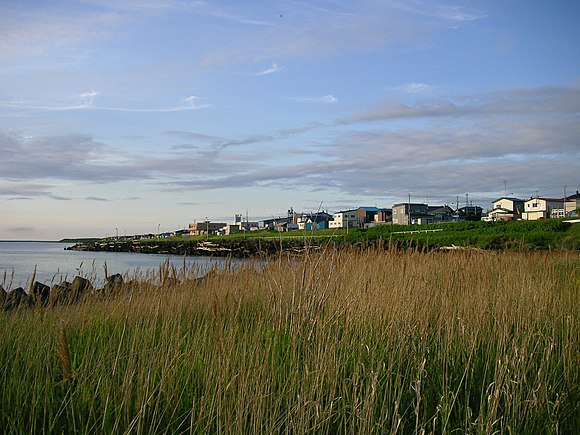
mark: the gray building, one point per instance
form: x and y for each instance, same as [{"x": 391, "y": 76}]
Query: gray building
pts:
[{"x": 411, "y": 213}]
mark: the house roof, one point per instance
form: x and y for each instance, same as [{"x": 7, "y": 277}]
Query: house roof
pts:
[
  {"x": 439, "y": 209},
  {"x": 413, "y": 203},
  {"x": 510, "y": 198},
  {"x": 547, "y": 199},
  {"x": 499, "y": 210}
]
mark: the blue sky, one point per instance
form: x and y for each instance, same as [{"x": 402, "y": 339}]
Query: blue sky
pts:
[{"x": 139, "y": 114}]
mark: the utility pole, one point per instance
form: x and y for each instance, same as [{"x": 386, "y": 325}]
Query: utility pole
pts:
[
  {"x": 564, "y": 199},
  {"x": 504, "y": 187},
  {"x": 409, "y": 215}
]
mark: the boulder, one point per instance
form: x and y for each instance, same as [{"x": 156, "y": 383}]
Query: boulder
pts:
[
  {"x": 80, "y": 287},
  {"x": 39, "y": 293},
  {"x": 17, "y": 298},
  {"x": 113, "y": 284},
  {"x": 61, "y": 294}
]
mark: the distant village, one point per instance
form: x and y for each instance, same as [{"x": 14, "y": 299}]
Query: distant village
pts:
[{"x": 404, "y": 213}]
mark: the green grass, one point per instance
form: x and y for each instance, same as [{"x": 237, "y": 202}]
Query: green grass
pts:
[
  {"x": 334, "y": 342},
  {"x": 543, "y": 234}
]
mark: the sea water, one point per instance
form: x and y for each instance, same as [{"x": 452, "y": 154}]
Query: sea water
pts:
[{"x": 49, "y": 263}]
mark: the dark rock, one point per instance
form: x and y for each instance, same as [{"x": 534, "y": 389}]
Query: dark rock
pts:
[
  {"x": 61, "y": 294},
  {"x": 80, "y": 287},
  {"x": 113, "y": 284},
  {"x": 3, "y": 295},
  {"x": 17, "y": 298},
  {"x": 39, "y": 293}
]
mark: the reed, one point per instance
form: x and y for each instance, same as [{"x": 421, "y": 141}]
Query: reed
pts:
[{"x": 328, "y": 342}]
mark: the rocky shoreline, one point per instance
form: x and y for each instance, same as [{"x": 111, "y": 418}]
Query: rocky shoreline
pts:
[
  {"x": 64, "y": 293},
  {"x": 241, "y": 248}
]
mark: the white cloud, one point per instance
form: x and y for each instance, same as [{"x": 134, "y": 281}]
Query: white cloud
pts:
[
  {"x": 273, "y": 69},
  {"x": 325, "y": 99},
  {"x": 88, "y": 97},
  {"x": 414, "y": 88},
  {"x": 87, "y": 103},
  {"x": 456, "y": 13}
]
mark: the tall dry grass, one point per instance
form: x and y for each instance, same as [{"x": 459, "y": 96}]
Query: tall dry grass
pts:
[{"x": 332, "y": 342}]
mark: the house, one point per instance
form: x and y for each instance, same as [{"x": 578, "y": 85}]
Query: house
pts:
[
  {"x": 279, "y": 223},
  {"x": 345, "y": 219},
  {"x": 470, "y": 213},
  {"x": 230, "y": 229},
  {"x": 285, "y": 225},
  {"x": 205, "y": 227},
  {"x": 313, "y": 221},
  {"x": 383, "y": 216},
  {"x": 543, "y": 208},
  {"x": 243, "y": 225},
  {"x": 506, "y": 208},
  {"x": 442, "y": 213},
  {"x": 572, "y": 204},
  {"x": 406, "y": 213},
  {"x": 367, "y": 214}
]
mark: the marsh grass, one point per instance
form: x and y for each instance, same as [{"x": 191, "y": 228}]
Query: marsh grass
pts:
[{"x": 331, "y": 342}]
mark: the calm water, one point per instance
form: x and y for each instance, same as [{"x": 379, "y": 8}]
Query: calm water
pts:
[{"x": 53, "y": 264}]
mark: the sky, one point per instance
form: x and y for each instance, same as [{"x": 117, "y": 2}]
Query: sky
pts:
[{"x": 139, "y": 116}]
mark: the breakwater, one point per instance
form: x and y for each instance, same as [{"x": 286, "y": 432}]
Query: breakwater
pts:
[{"x": 241, "y": 248}]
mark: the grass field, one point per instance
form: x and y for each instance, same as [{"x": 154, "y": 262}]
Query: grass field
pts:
[
  {"x": 519, "y": 235},
  {"x": 333, "y": 342}
]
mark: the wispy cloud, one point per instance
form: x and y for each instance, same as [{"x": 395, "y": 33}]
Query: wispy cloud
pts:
[
  {"x": 413, "y": 88},
  {"x": 323, "y": 99},
  {"x": 323, "y": 29},
  {"x": 87, "y": 103},
  {"x": 511, "y": 102},
  {"x": 273, "y": 69},
  {"x": 32, "y": 34},
  {"x": 88, "y": 97},
  {"x": 484, "y": 137},
  {"x": 456, "y": 13}
]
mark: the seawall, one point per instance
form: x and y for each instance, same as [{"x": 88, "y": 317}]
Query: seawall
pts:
[{"x": 241, "y": 248}]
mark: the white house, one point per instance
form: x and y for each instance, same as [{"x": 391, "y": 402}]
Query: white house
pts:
[
  {"x": 543, "y": 208},
  {"x": 506, "y": 208},
  {"x": 345, "y": 219}
]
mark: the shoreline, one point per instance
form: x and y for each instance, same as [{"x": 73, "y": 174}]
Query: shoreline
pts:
[{"x": 219, "y": 248}]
